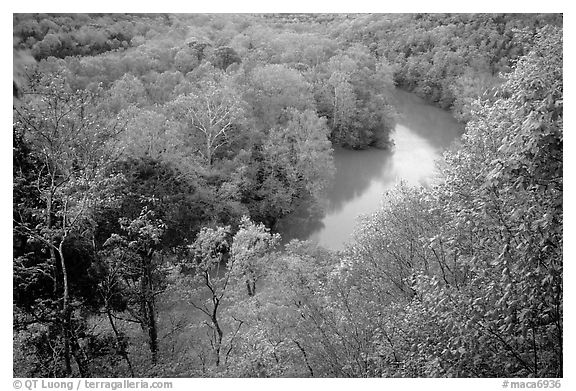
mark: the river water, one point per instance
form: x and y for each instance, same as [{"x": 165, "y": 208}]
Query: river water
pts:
[{"x": 362, "y": 177}]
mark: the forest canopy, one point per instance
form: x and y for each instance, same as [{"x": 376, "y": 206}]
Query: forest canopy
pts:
[{"x": 155, "y": 154}]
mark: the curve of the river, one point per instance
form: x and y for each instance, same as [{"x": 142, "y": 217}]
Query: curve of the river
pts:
[{"x": 362, "y": 177}]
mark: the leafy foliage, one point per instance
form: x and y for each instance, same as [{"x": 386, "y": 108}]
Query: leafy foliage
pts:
[{"x": 154, "y": 155}]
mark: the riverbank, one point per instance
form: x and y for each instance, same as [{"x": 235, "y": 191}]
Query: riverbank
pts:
[{"x": 422, "y": 132}]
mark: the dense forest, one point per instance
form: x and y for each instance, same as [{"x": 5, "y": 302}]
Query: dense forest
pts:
[{"x": 154, "y": 155}]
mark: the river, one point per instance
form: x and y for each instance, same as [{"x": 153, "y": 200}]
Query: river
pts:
[{"x": 362, "y": 177}]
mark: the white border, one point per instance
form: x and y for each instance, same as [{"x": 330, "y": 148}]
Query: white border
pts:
[{"x": 295, "y": 6}]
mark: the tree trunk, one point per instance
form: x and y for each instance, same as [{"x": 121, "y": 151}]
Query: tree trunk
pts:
[
  {"x": 152, "y": 330},
  {"x": 80, "y": 356},
  {"x": 147, "y": 307},
  {"x": 119, "y": 343},
  {"x": 305, "y": 358},
  {"x": 66, "y": 313},
  {"x": 209, "y": 154},
  {"x": 219, "y": 333},
  {"x": 218, "y": 342},
  {"x": 51, "y": 249}
]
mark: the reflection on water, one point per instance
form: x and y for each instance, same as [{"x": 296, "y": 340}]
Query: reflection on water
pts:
[
  {"x": 436, "y": 126},
  {"x": 302, "y": 223},
  {"x": 422, "y": 132},
  {"x": 355, "y": 173}
]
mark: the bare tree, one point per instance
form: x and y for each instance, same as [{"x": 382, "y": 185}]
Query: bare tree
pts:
[
  {"x": 73, "y": 144},
  {"x": 209, "y": 115}
]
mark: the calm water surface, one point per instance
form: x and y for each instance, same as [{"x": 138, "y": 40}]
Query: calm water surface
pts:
[{"x": 362, "y": 177}]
